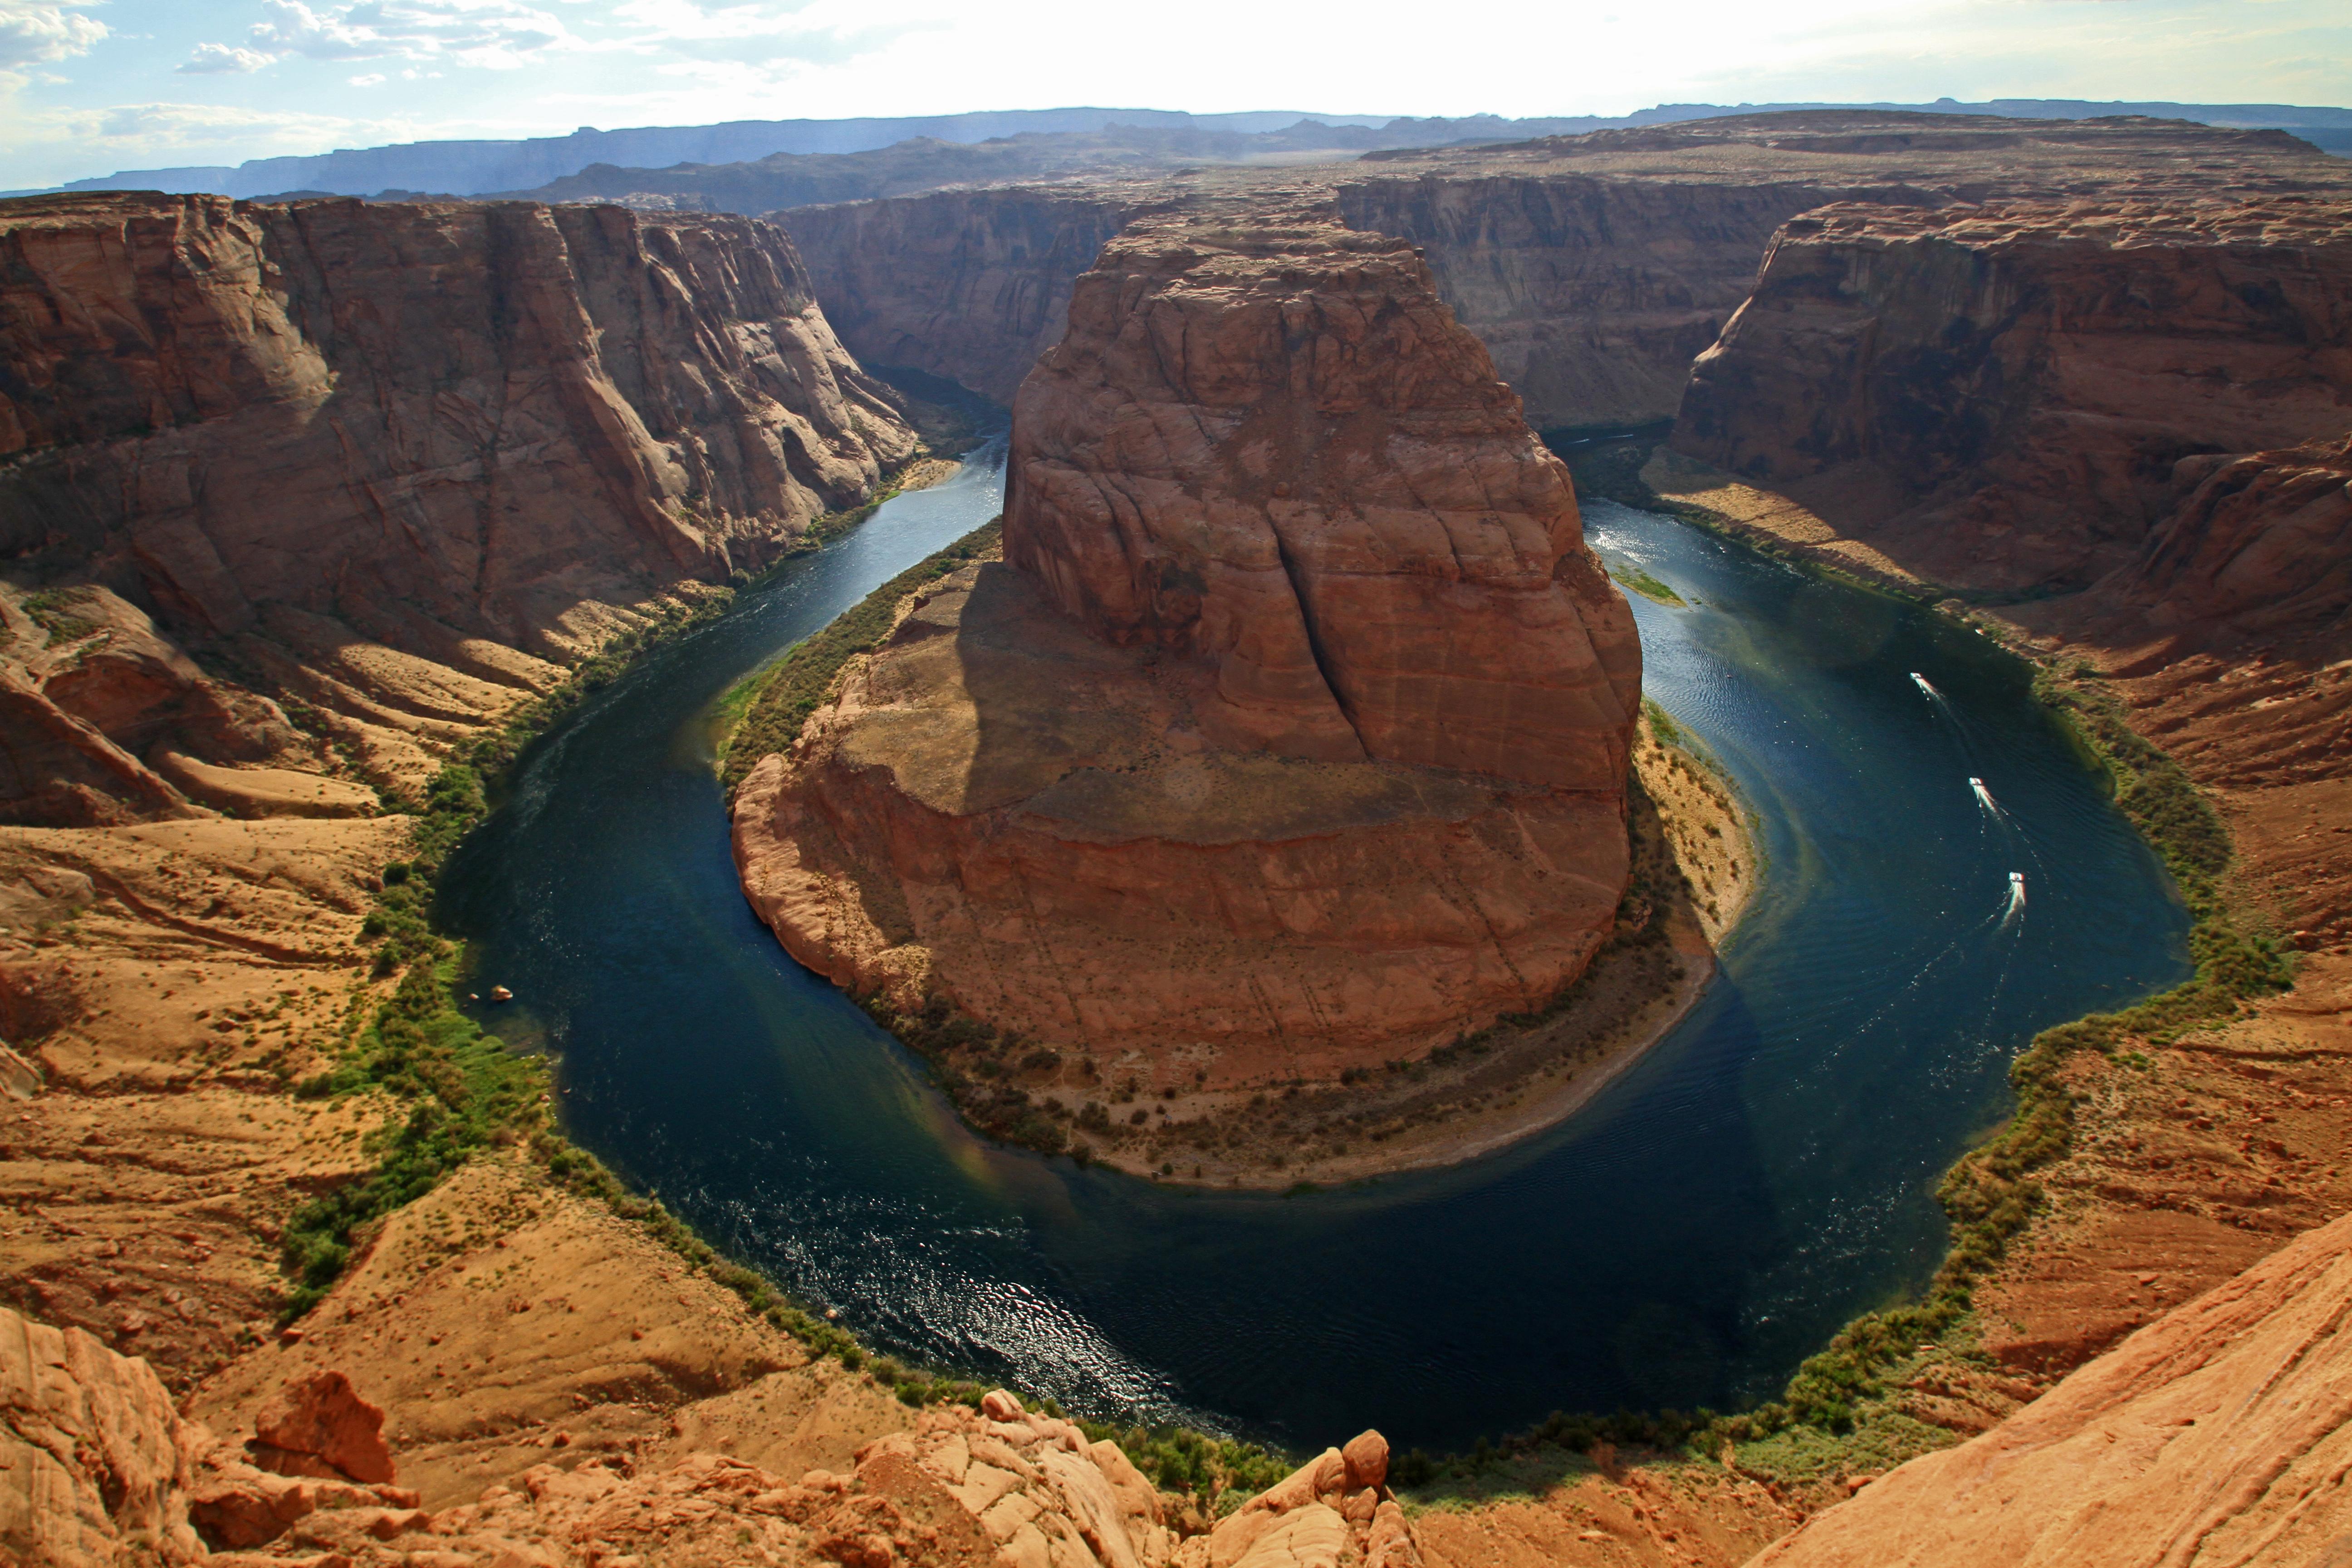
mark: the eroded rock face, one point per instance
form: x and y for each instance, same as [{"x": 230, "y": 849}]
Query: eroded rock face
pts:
[
  {"x": 2214, "y": 1434},
  {"x": 1290, "y": 736},
  {"x": 971, "y": 284},
  {"x": 403, "y": 461},
  {"x": 1593, "y": 294},
  {"x": 2002, "y": 396},
  {"x": 2260, "y": 548},
  {"x": 1282, "y": 460},
  {"x": 472, "y": 406}
]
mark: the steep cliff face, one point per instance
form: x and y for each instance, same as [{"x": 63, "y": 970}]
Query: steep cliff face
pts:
[
  {"x": 1594, "y": 267},
  {"x": 971, "y": 284},
  {"x": 2002, "y": 398},
  {"x": 1593, "y": 294},
  {"x": 406, "y": 459},
  {"x": 1281, "y": 459},
  {"x": 2258, "y": 550},
  {"x": 1292, "y": 733}
]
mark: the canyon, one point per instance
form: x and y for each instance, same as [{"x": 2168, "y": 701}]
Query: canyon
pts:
[
  {"x": 1594, "y": 267},
  {"x": 299, "y": 496},
  {"x": 399, "y": 465},
  {"x": 1289, "y": 735}
]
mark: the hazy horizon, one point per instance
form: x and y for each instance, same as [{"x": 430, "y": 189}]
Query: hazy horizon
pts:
[{"x": 91, "y": 87}]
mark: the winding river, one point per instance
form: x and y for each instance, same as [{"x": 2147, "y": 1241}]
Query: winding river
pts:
[{"x": 1756, "y": 1179}]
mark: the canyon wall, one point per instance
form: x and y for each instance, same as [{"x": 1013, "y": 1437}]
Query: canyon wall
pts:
[
  {"x": 2003, "y": 399},
  {"x": 971, "y": 284},
  {"x": 1290, "y": 735},
  {"x": 1593, "y": 295},
  {"x": 1279, "y": 455},
  {"x": 404, "y": 461},
  {"x": 1594, "y": 267}
]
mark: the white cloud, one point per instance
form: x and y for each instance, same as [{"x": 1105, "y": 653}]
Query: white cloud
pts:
[
  {"x": 222, "y": 60},
  {"x": 372, "y": 79},
  {"x": 494, "y": 33},
  {"x": 749, "y": 36},
  {"x": 170, "y": 127},
  {"x": 38, "y": 32}
]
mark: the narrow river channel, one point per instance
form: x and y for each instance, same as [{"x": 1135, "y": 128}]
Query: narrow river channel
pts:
[{"x": 1759, "y": 1177}]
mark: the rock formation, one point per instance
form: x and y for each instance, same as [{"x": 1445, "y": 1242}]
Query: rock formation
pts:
[
  {"x": 1292, "y": 732},
  {"x": 971, "y": 284},
  {"x": 1593, "y": 294},
  {"x": 100, "y": 1469},
  {"x": 2002, "y": 397},
  {"x": 2258, "y": 550},
  {"x": 400, "y": 460},
  {"x": 1593, "y": 266},
  {"x": 2215, "y": 1435}
]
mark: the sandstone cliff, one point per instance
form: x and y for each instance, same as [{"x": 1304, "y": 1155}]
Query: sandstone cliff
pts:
[
  {"x": 2216, "y": 1435},
  {"x": 1291, "y": 735},
  {"x": 2002, "y": 398},
  {"x": 1593, "y": 294},
  {"x": 1594, "y": 267},
  {"x": 102, "y": 1470},
  {"x": 971, "y": 284},
  {"x": 403, "y": 461}
]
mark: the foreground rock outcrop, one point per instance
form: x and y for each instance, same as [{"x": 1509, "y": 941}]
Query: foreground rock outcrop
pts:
[
  {"x": 402, "y": 462},
  {"x": 96, "y": 1467},
  {"x": 1291, "y": 734},
  {"x": 2216, "y": 1435}
]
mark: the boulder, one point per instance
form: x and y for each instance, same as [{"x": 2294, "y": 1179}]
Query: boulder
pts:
[{"x": 321, "y": 1426}]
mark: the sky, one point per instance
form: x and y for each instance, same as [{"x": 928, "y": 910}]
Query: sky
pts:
[{"x": 89, "y": 86}]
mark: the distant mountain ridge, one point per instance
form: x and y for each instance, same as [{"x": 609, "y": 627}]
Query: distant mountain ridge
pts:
[{"x": 473, "y": 168}]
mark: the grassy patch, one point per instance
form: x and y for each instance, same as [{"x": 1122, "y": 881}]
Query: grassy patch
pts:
[
  {"x": 464, "y": 1091},
  {"x": 1649, "y": 587},
  {"x": 777, "y": 701},
  {"x": 52, "y": 610}
]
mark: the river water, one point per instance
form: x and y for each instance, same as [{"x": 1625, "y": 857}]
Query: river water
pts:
[{"x": 1756, "y": 1179}]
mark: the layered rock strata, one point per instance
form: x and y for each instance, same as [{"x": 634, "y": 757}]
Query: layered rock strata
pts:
[
  {"x": 403, "y": 461},
  {"x": 970, "y": 285},
  {"x": 1290, "y": 735},
  {"x": 2012, "y": 398},
  {"x": 1593, "y": 267},
  {"x": 1593, "y": 294},
  {"x": 2215, "y": 1435}
]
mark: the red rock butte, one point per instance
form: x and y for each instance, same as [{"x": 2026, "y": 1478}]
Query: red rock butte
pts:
[{"x": 1291, "y": 733}]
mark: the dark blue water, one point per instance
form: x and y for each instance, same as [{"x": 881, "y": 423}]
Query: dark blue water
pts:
[{"x": 1759, "y": 1177}]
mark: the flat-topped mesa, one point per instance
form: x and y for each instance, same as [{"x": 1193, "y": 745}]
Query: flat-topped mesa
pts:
[
  {"x": 1279, "y": 456},
  {"x": 1291, "y": 735}
]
